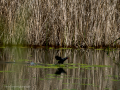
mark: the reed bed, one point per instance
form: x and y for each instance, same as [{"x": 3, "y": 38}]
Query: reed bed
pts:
[{"x": 60, "y": 22}]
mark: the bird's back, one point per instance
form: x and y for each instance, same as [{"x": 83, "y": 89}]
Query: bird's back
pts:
[{"x": 58, "y": 58}]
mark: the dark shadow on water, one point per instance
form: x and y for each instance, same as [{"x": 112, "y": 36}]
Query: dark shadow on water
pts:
[{"x": 59, "y": 71}]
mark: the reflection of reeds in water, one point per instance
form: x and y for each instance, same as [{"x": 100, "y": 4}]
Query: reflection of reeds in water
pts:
[
  {"x": 59, "y": 22},
  {"x": 92, "y": 78}
]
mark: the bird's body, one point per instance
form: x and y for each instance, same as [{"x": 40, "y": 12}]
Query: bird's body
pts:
[{"x": 61, "y": 60}]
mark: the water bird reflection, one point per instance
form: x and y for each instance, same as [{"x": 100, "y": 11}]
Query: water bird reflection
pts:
[{"x": 59, "y": 71}]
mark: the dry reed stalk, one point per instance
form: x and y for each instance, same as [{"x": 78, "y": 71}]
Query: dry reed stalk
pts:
[{"x": 61, "y": 22}]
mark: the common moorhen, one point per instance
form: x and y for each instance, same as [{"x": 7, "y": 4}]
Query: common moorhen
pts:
[{"x": 61, "y": 60}]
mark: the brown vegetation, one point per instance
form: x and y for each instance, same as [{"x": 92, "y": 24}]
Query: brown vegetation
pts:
[{"x": 60, "y": 22}]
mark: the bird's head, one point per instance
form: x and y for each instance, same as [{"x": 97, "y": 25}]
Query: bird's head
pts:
[{"x": 67, "y": 57}]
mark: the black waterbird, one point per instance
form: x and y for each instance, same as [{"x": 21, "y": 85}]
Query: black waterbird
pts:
[{"x": 60, "y": 60}]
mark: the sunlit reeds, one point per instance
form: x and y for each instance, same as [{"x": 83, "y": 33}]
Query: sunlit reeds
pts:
[{"x": 60, "y": 22}]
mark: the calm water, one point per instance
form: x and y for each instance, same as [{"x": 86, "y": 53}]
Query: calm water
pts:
[{"x": 86, "y": 69}]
